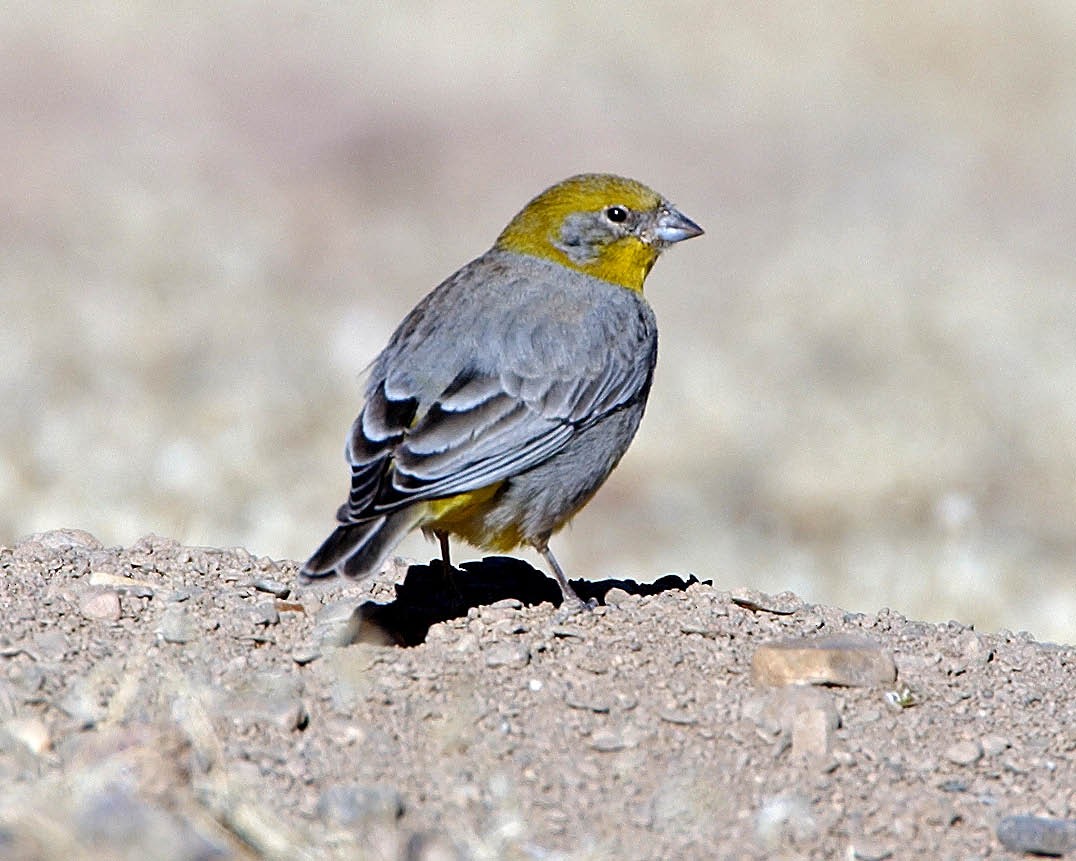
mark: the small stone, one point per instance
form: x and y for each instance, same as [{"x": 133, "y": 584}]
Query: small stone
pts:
[
  {"x": 678, "y": 716},
  {"x": 508, "y": 655},
  {"x": 467, "y": 642},
  {"x": 784, "y": 818},
  {"x": 697, "y": 627},
  {"x": 607, "y": 741},
  {"x": 508, "y": 627},
  {"x": 266, "y": 699},
  {"x": 49, "y": 646},
  {"x": 266, "y": 614},
  {"x": 812, "y": 733},
  {"x": 303, "y": 655},
  {"x": 775, "y": 712},
  {"x": 782, "y": 604},
  {"x": 507, "y": 604},
  {"x": 617, "y": 597},
  {"x": 974, "y": 647},
  {"x": 335, "y": 613},
  {"x": 844, "y": 758},
  {"x": 964, "y": 753},
  {"x": 338, "y": 624},
  {"x": 836, "y": 660},
  {"x": 441, "y": 633},
  {"x": 584, "y": 699},
  {"x": 359, "y": 805},
  {"x": 940, "y": 812},
  {"x": 138, "y": 588},
  {"x": 60, "y": 539},
  {"x": 1038, "y": 835},
  {"x": 994, "y": 744},
  {"x": 31, "y": 732},
  {"x": 495, "y": 618},
  {"x": 278, "y": 590},
  {"x": 870, "y": 850},
  {"x": 100, "y": 606},
  {"x": 176, "y": 626}
]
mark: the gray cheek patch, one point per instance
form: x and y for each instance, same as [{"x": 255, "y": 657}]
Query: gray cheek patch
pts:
[{"x": 582, "y": 234}]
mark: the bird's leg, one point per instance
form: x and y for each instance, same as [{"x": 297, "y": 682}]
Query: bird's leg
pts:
[
  {"x": 571, "y": 601},
  {"x": 446, "y": 556}
]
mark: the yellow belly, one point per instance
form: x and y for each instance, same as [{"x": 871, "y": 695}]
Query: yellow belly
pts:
[{"x": 464, "y": 515}]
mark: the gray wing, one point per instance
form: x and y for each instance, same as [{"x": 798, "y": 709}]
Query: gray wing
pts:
[{"x": 523, "y": 383}]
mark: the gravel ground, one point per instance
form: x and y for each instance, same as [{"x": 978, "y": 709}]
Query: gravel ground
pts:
[{"x": 173, "y": 702}]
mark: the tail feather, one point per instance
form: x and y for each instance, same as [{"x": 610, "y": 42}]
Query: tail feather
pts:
[{"x": 357, "y": 550}]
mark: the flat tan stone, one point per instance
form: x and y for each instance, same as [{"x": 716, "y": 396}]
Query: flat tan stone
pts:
[{"x": 838, "y": 660}]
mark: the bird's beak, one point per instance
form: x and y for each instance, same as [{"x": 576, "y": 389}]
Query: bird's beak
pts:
[{"x": 672, "y": 225}]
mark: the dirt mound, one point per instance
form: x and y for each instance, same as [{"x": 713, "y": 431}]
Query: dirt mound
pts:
[{"x": 173, "y": 702}]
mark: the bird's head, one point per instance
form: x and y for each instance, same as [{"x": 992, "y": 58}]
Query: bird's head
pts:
[{"x": 606, "y": 226}]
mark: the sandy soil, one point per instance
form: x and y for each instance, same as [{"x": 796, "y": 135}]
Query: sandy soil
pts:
[{"x": 173, "y": 702}]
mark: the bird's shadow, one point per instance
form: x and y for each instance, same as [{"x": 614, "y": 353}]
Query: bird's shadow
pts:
[{"x": 429, "y": 594}]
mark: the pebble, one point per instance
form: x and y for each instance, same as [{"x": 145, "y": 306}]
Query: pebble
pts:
[
  {"x": 870, "y": 850},
  {"x": 266, "y": 614},
  {"x": 31, "y": 732},
  {"x": 267, "y": 699},
  {"x": 607, "y": 741},
  {"x": 784, "y": 818},
  {"x": 176, "y": 626},
  {"x": 782, "y": 604},
  {"x": 776, "y": 712},
  {"x": 678, "y": 716},
  {"x": 994, "y": 744},
  {"x": 507, "y": 655},
  {"x": 1038, "y": 835},
  {"x": 50, "y": 646},
  {"x": 812, "y": 732},
  {"x": 100, "y": 606},
  {"x": 338, "y": 624},
  {"x": 586, "y": 700},
  {"x": 359, "y": 805},
  {"x": 138, "y": 588},
  {"x": 696, "y": 627},
  {"x": 467, "y": 642},
  {"x": 836, "y": 660},
  {"x": 617, "y": 597},
  {"x": 964, "y": 752},
  {"x": 441, "y": 634},
  {"x": 307, "y": 654},
  {"x": 273, "y": 587},
  {"x": 60, "y": 539}
]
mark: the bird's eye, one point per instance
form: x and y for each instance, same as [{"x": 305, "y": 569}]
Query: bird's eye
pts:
[{"x": 616, "y": 214}]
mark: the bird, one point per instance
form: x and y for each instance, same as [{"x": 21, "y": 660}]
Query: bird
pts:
[{"x": 507, "y": 396}]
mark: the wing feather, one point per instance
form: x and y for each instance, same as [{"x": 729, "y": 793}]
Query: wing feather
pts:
[{"x": 528, "y": 382}]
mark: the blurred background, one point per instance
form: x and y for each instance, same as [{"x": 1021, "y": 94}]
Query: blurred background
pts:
[{"x": 212, "y": 216}]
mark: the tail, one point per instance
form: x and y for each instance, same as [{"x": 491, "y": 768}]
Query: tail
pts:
[{"x": 357, "y": 550}]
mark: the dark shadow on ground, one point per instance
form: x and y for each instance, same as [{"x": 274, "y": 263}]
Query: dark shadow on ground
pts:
[{"x": 429, "y": 595}]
